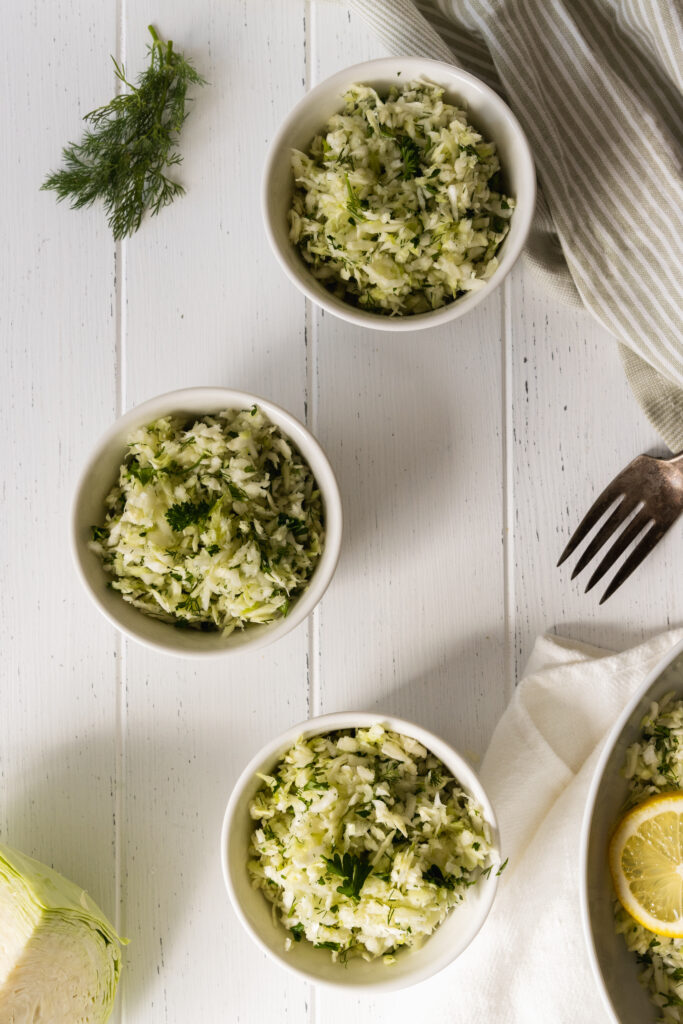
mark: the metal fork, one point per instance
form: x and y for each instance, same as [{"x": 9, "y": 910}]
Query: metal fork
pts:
[{"x": 653, "y": 488}]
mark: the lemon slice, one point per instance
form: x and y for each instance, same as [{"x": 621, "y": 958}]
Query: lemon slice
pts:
[{"x": 646, "y": 861}]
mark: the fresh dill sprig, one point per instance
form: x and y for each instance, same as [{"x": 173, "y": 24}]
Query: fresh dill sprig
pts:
[
  {"x": 354, "y": 203},
  {"x": 411, "y": 155},
  {"x": 129, "y": 144}
]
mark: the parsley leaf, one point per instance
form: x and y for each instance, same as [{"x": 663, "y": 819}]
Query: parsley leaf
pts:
[
  {"x": 435, "y": 875},
  {"x": 297, "y": 526},
  {"x": 185, "y": 513},
  {"x": 236, "y": 493},
  {"x": 354, "y": 870},
  {"x": 315, "y": 784},
  {"x": 142, "y": 473}
]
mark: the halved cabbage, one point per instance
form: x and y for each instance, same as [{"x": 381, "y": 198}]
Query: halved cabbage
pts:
[{"x": 60, "y": 958}]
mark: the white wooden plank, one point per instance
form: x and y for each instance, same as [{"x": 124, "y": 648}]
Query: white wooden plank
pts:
[
  {"x": 58, "y": 338},
  {"x": 465, "y": 456},
  {"x": 575, "y": 425},
  {"x": 410, "y": 420},
  {"x": 207, "y": 303},
  {"x": 412, "y": 425},
  {"x": 414, "y": 623}
]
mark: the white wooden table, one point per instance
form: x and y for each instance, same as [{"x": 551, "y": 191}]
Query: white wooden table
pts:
[{"x": 465, "y": 457}]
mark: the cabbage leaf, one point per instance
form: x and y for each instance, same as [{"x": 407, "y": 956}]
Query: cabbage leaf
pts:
[{"x": 60, "y": 958}]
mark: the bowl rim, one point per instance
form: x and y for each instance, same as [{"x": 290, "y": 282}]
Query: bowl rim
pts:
[
  {"x": 320, "y": 724},
  {"x": 367, "y": 71},
  {"x": 596, "y": 780},
  {"x": 223, "y": 397}
]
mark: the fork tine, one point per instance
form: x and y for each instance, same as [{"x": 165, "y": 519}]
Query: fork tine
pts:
[
  {"x": 598, "y": 508},
  {"x": 621, "y": 512},
  {"x": 626, "y": 537},
  {"x": 652, "y": 537}
]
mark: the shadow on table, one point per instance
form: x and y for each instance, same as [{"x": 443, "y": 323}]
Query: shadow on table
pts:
[
  {"x": 472, "y": 674},
  {"x": 170, "y": 779},
  {"x": 611, "y": 634},
  {"x": 404, "y": 434}
]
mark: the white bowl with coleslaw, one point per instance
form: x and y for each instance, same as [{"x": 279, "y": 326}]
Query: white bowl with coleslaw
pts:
[
  {"x": 99, "y": 476},
  {"x": 410, "y": 966},
  {"x": 485, "y": 110},
  {"x": 616, "y": 969}
]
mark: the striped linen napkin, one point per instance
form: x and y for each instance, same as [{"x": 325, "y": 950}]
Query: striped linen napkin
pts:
[{"x": 597, "y": 86}]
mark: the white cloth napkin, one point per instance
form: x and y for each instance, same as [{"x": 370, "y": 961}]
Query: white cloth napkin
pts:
[
  {"x": 529, "y": 964},
  {"x": 597, "y": 87}
]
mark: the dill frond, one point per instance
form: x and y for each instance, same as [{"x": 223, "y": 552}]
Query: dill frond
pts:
[{"x": 130, "y": 143}]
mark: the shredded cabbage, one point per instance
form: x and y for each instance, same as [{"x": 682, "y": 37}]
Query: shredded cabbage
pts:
[
  {"x": 213, "y": 524},
  {"x": 654, "y": 764},
  {"x": 398, "y": 206},
  {"x": 364, "y": 843}
]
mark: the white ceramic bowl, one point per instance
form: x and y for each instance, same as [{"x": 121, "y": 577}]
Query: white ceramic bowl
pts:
[
  {"x": 486, "y": 111},
  {"x": 101, "y": 473},
  {"x": 255, "y": 912},
  {"x": 615, "y": 968}
]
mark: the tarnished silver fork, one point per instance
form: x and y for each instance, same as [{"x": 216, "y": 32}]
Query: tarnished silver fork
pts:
[{"x": 653, "y": 489}]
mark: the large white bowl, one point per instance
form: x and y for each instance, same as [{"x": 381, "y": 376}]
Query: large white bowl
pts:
[
  {"x": 486, "y": 111},
  {"x": 255, "y": 912},
  {"x": 615, "y": 968},
  {"x": 101, "y": 473}
]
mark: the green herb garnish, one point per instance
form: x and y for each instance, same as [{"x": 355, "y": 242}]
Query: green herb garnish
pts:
[
  {"x": 129, "y": 144},
  {"x": 353, "y": 204},
  {"x": 354, "y": 870},
  {"x": 186, "y": 513},
  {"x": 435, "y": 875},
  {"x": 191, "y": 606},
  {"x": 410, "y": 155},
  {"x": 142, "y": 473},
  {"x": 236, "y": 493},
  {"x": 297, "y": 526}
]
